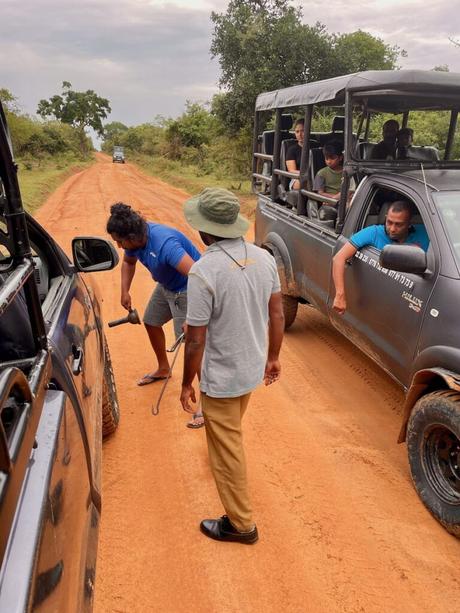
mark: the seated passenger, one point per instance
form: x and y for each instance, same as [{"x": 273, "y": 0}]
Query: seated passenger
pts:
[
  {"x": 386, "y": 148},
  {"x": 294, "y": 153},
  {"x": 328, "y": 180},
  {"x": 397, "y": 230},
  {"x": 404, "y": 143}
]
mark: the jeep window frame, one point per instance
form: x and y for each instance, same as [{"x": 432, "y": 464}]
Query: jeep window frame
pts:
[{"x": 22, "y": 277}]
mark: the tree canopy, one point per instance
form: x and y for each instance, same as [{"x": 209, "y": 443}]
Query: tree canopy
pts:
[
  {"x": 193, "y": 128},
  {"x": 114, "y": 130},
  {"x": 263, "y": 45},
  {"x": 79, "y": 109}
]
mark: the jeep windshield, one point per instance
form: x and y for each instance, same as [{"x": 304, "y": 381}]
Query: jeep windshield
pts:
[{"x": 449, "y": 206}]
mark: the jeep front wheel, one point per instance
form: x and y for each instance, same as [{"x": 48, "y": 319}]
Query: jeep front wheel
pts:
[
  {"x": 290, "y": 306},
  {"x": 110, "y": 406},
  {"x": 433, "y": 444}
]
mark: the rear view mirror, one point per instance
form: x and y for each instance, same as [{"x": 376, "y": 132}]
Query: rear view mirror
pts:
[
  {"x": 92, "y": 254},
  {"x": 404, "y": 258}
]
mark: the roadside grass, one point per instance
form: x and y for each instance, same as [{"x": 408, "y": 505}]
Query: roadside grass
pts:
[
  {"x": 192, "y": 179},
  {"x": 38, "y": 180}
]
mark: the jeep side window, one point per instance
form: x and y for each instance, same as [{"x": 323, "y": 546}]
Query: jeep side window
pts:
[
  {"x": 449, "y": 205},
  {"x": 377, "y": 210}
]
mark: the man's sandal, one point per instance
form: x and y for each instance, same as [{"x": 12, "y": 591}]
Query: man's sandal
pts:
[
  {"x": 195, "y": 424},
  {"x": 148, "y": 378}
]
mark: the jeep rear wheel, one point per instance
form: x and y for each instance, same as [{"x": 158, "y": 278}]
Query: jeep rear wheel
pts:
[
  {"x": 433, "y": 444},
  {"x": 290, "y": 306},
  {"x": 110, "y": 406}
]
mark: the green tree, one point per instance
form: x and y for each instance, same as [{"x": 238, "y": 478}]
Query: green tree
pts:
[
  {"x": 263, "y": 45},
  {"x": 361, "y": 51},
  {"x": 114, "y": 130},
  {"x": 193, "y": 128},
  {"x": 8, "y": 100},
  {"x": 79, "y": 109}
]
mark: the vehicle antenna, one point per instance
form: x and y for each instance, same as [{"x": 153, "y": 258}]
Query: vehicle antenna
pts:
[{"x": 424, "y": 182}]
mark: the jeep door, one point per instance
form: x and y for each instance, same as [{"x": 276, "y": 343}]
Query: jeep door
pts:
[
  {"x": 66, "y": 556},
  {"x": 385, "y": 309}
]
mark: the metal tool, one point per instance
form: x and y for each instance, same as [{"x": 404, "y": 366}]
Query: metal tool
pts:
[
  {"x": 131, "y": 318},
  {"x": 174, "y": 348}
]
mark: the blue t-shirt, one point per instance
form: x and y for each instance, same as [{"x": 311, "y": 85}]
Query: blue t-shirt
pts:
[
  {"x": 164, "y": 249},
  {"x": 377, "y": 236}
]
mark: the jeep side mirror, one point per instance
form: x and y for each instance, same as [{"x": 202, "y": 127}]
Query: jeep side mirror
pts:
[
  {"x": 404, "y": 258},
  {"x": 92, "y": 254}
]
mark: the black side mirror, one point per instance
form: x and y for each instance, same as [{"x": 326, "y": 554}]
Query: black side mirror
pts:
[
  {"x": 404, "y": 258},
  {"x": 92, "y": 254}
]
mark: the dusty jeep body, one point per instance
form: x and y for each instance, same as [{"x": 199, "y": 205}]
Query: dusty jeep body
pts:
[
  {"x": 118, "y": 155},
  {"x": 402, "y": 303},
  {"x": 56, "y": 391}
]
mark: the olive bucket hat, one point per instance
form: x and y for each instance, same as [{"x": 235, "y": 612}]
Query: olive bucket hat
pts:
[{"x": 216, "y": 211}]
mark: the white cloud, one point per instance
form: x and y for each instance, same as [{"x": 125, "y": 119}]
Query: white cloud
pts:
[{"x": 149, "y": 56}]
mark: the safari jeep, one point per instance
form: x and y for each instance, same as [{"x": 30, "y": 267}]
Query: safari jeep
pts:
[
  {"x": 402, "y": 302},
  {"x": 57, "y": 397}
]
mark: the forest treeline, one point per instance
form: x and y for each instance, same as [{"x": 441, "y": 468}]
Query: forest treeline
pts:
[
  {"x": 261, "y": 45},
  {"x": 35, "y": 140}
]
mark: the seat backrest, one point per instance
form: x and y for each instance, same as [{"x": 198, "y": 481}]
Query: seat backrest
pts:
[
  {"x": 365, "y": 150},
  {"x": 268, "y": 140},
  {"x": 383, "y": 212},
  {"x": 268, "y": 136},
  {"x": 286, "y": 121},
  {"x": 284, "y": 181},
  {"x": 424, "y": 154},
  {"x": 316, "y": 162},
  {"x": 338, "y": 123},
  {"x": 336, "y": 134}
]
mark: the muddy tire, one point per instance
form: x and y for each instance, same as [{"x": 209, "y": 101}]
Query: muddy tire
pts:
[
  {"x": 110, "y": 406},
  {"x": 290, "y": 306},
  {"x": 433, "y": 444}
]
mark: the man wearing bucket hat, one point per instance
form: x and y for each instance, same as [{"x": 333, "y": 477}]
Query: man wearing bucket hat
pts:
[{"x": 233, "y": 298}]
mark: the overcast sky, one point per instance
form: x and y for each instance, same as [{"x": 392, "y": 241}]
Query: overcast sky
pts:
[{"x": 149, "y": 56}]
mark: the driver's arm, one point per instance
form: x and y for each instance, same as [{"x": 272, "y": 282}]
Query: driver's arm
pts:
[{"x": 338, "y": 276}]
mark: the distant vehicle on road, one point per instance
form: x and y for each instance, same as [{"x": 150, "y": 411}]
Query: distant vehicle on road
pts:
[
  {"x": 402, "y": 302},
  {"x": 57, "y": 398},
  {"x": 118, "y": 155}
]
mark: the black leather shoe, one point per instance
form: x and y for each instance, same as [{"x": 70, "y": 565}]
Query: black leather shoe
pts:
[{"x": 222, "y": 530}]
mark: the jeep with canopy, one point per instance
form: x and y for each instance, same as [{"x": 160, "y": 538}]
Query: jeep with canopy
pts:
[{"x": 402, "y": 302}]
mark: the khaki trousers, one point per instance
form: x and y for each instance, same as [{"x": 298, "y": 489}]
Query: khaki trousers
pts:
[{"x": 222, "y": 417}]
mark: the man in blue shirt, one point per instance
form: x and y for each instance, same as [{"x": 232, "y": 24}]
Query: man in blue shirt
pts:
[
  {"x": 397, "y": 230},
  {"x": 168, "y": 255}
]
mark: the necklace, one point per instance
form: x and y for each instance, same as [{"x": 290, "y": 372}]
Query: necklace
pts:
[{"x": 241, "y": 266}]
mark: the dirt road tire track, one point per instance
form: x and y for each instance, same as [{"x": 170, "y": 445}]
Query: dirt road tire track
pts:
[{"x": 341, "y": 527}]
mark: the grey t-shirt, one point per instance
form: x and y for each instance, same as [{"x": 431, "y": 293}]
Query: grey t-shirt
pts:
[{"x": 233, "y": 304}]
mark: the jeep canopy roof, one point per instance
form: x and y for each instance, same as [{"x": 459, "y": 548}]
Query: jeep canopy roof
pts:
[{"x": 391, "y": 90}]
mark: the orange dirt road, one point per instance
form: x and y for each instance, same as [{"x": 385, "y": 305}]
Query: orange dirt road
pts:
[{"x": 341, "y": 528}]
